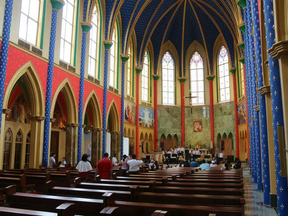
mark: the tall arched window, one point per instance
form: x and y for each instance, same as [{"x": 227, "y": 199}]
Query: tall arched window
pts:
[
  {"x": 29, "y": 17},
  {"x": 223, "y": 75},
  {"x": 67, "y": 31},
  {"x": 145, "y": 77},
  {"x": 197, "y": 78},
  {"x": 129, "y": 71},
  {"x": 168, "y": 97},
  {"x": 7, "y": 148},
  {"x": 112, "y": 60},
  {"x": 242, "y": 80},
  {"x": 18, "y": 147},
  {"x": 92, "y": 61},
  {"x": 27, "y": 151}
]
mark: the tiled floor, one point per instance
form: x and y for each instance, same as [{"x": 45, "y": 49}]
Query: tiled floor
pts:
[{"x": 254, "y": 198}]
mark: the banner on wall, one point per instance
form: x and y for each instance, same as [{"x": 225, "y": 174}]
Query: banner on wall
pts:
[
  {"x": 87, "y": 143},
  {"x": 146, "y": 117},
  {"x": 125, "y": 146},
  {"x": 197, "y": 125},
  {"x": 130, "y": 113},
  {"x": 241, "y": 113}
]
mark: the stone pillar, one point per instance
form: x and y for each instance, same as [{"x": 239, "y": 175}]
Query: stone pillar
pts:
[
  {"x": 94, "y": 147},
  {"x": 107, "y": 45},
  {"x": 233, "y": 71},
  {"x": 85, "y": 28},
  {"x": 124, "y": 59},
  {"x": 210, "y": 78},
  {"x": 138, "y": 72},
  {"x": 71, "y": 143},
  {"x": 56, "y": 6},
  {"x": 262, "y": 104},
  {"x": 182, "y": 83},
  {"x": 277, "y": 111},
  {"x": 4, "y": 51},
  {"x": 156, "y": 78}
]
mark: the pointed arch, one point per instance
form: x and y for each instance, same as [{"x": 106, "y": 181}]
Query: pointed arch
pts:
[
  {"x": 97, "y": 116},
  {"x": 66, "y": 88},
  {"x": 133, "y": 134},
  {"x": 146, "y": 136},
  {"x": 224, "y": 136},
  {"x": 34, "y": 86},
  {"x": 163, "y": 137},
  {"x": 141, "y": 136},
  {"x": 230, "y": 135},
  {"x": 150, "y": 137},
  {"x": 129, "y": 133},
  {"x": 218, "y": 136},
  {"x": 113, "y": 113}
]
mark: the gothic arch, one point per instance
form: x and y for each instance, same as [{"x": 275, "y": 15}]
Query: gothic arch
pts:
[
  {"x": 97, "y": 117},
  {"x": 113, "y": 111}
]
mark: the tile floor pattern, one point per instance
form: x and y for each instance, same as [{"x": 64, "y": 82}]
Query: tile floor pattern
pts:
[{"x": 254, "y": 198}]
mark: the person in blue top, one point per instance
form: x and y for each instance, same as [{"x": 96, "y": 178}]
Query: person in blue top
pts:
[
  {"x": 193, "y": 164},
  {"x": 205, "y": 166}
]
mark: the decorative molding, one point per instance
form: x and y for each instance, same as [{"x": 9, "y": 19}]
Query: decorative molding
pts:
[
  {"x": 52, "y": 120},
  {"x": 6, "y": 111},
  {"x": 36, "y": 118},
  {"x": 266, "y": 63},
  {"x": 156, "y": 77},
  {"x": 124, "y": 58},
  {"x": 107, "y": 44},
  {"x": 241, "y": 27},
  {"x": 264, "y": 90},
  {"x": 242, "y": 3},
  {"x": 182, "y": 79},
  {"x": 138, "y": 70},
  {"x": 256, "y": 108},
  {"x": 242, "y": 60},
  {"x": 210, "y": 77},
  {"x": 86, "y": 26},
  {"x": 233, "y": 71},
  {"x": 57, "y": 4},
  {"x": 278, "y": 49},
  {"x": 242, "y": 45}
]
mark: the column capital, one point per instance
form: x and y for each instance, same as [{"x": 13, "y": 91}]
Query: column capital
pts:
[
  {"x": 182, "y": 79},
  {"x": 242, "y": 45},
  {"x": 124, "y": 58},
  {"x": 36, "y": 118},
  {"x": 6, "y": 111},
  {"x": 242, "y": 60},
  {"x": 210, "y": 77},
  {"x": 264, "y": 90},
  {"x": 86, "y": 26},
  {"x": 241, "y": 27},
  {"x": 108, "y": 44},
  {"x": 233, "y": 71},
  {"x": 278, "y": 49},
  {"x": 242, "y": 3},
  {"x": 156, "y": 77},
  {"x": 52, "y": 120},
  {"x": 138, "y": 70},
  {"x": 57, "y": 4}
]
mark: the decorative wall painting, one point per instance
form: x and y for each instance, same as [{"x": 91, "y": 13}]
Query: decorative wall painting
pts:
[
  {"x": 19, "y": 110},
  {"x": 241, "y": 113},
  {"x": 146, "y": 117},
  {"x": 130, "y": 113},
  {"x": 197, "y": 125}
]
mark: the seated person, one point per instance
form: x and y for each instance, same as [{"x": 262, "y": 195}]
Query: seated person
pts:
[
  {"x": 204, "y": 166},
  {"x": 180, "y": 159},
  {"x": 213, "y": 163},
  {"x": 193, "y": 164},
  {"x": 227, "y": 165},
  {"x": 237, "y": 164},
  {"x": 152, "y": 164}
]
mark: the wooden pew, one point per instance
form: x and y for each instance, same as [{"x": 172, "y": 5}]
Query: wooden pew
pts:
[
  {"x": 139, "y": 208},
  {"x": 65, "y": 209},
  {"x": 19, "y": 181}
]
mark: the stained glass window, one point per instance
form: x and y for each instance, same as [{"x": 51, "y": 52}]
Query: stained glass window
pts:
[
  {"x": 112, "y": 60},
  {"x": 168, "y": 97},
  {"x": 27, "y": 151},
  {"x": 242, "y": 79},
  {"x": 67, "y": 31},
  {"x": 29, "y": 16},
  {"x": 18, "y": 147},
  {"x": 129, "y": 74},
  {"x": 92, "y": 61},
  {"x": 223, "y": 75},
  {"x": 145, "y": 78},
  {"x": 7, "y": 148},
  {"x": 197, "y": 78}
]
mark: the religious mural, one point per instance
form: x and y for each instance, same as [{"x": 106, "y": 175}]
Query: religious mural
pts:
[
  {"x": 87, "y": 143},
  {"x": 58, "y": 116},
  {"x": 19, "y": 110},
  {"x": 146, "y": 117},
  {"x": 197, "y": 125},
  {"x": 241, "y": 113},
  {"x": 130, "y": 113}
]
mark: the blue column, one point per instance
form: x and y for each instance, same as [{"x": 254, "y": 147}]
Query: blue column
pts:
[
  {"x": 255, "y": 99},
  {"x": 124, "y": 60},
  {"x": 249, "y": 99},
  {"x": 56, "y": 6},
  {"x": 107, "y": 45},
  {"x": 277, "y": 109},
  {"x": 85, "y": 28},
  {"x": 4, "y": 50},
  {"x": 262, "y": 105}
]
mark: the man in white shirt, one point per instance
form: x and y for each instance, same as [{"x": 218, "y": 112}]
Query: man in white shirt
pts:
[
  {"x": 197, "y": 152},
  {"x": 52, "y": 160},
  {"x": 114, "y": 160},
  {"x": 134, "y": 164}
]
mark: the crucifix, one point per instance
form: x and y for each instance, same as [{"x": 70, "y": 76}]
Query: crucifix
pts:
[{"x": 191, "y": 97}]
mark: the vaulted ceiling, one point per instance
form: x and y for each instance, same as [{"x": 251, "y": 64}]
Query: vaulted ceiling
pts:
[{"x": 179, "y": 21}]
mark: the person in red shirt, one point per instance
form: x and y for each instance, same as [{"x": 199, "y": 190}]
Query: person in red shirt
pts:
[{"x": 104, "y": 168}]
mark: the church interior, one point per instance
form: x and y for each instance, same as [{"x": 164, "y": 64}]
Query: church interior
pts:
[{"x": 143, "y": 77}]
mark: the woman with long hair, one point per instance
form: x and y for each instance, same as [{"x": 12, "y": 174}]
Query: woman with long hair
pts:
[{"x": 124, "y": 165}]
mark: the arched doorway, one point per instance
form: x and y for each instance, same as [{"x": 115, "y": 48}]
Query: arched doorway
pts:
[
  {"x": 64, "y": 124},
  {"x": 175, "y": 140},
  {"x": 243, "y": 146},
  {"x": 92, "y": 131},
  {"x": 168, "y": 143},
  {"x": 113, "y": 131},
  {"x": 162, "y": 142},
  {"x": 23, "y": 107},
  {"x": 226, "y": 146}
]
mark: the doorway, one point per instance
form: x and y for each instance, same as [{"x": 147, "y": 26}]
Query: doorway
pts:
[{"x": 54, "y": 143}]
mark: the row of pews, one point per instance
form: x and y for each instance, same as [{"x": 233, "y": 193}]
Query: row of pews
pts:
[{"x": 174, "y": 191}]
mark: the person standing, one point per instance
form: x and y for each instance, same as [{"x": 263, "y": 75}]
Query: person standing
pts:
[
  {"x": 124, "y": 165},
  {"x": 114, "y": 160},
  {"x": 84, "y": 167},
  {"x": 52, "y": 161},
  {"x": 104, "y": 168},
  {"x": 134, "y": 164}
]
